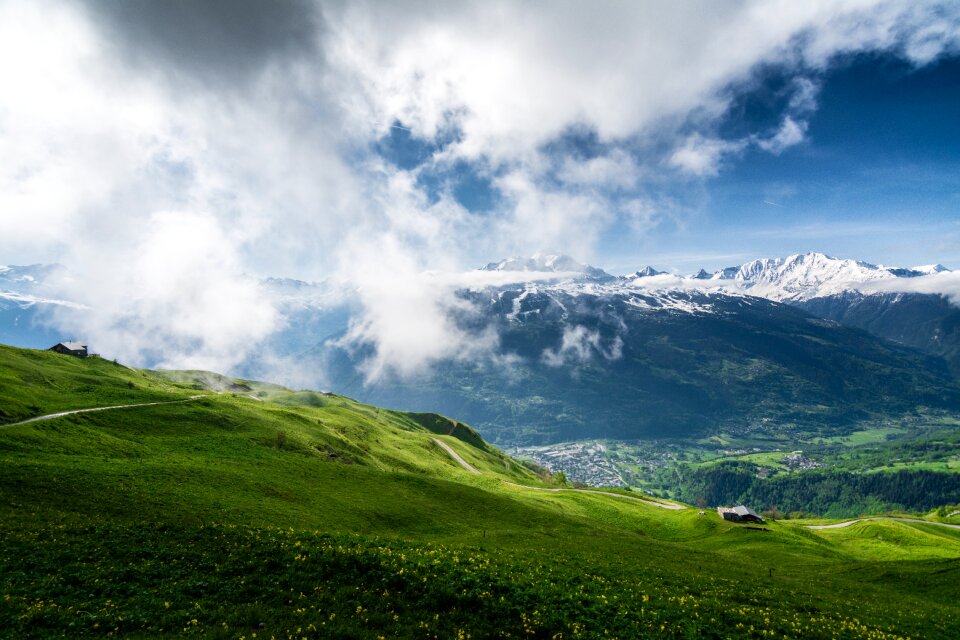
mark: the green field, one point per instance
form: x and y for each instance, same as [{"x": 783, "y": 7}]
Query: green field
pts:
[{"x": 255, "y": 511}]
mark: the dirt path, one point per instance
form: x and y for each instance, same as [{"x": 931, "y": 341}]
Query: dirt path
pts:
[
  {"x": 51, "y": 416},
  {"x": 466, "y": 465},
  {"x": 841, "y": 525},
  {"x": 456, "y": 456}
]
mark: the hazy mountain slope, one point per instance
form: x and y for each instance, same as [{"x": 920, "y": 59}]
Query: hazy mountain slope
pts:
[
  {"x": 579, "y": 362},
  {"x": 926, "y": 322}
]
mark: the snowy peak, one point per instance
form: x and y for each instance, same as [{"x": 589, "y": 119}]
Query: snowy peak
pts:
[
  {"x": 727, "y": 273},
  {"x": 646, "y": 272},
  {"x": 929, "y": 269},
  {"x": 549, "y": 263},
  {"x": 806, "y": 275}
]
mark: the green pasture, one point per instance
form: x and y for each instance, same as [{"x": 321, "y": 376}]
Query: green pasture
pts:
[{"x": 302, "y": 514}]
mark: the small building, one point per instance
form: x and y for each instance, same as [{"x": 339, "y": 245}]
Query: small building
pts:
[
  {"x": 70, "y": 349},
  {"x": 739, "y": 514}
]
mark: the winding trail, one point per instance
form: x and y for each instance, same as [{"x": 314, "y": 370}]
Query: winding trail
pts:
[
  {"x": 466, "y": 465},
  {"x": 51, "y": 416},
  {"x": 841, "y": 525},
  {"x": 456, "y": 456}
]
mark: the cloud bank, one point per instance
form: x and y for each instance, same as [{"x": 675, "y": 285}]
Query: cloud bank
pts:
[{"x": 173, "y": 155}]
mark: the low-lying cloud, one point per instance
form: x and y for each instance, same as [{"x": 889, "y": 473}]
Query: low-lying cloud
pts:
[
  {"x": 946, "y": 284},
  {"x": 580, "y": 345}
]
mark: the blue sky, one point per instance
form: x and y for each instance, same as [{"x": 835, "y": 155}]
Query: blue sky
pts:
[{"x": 876, "y": 177}]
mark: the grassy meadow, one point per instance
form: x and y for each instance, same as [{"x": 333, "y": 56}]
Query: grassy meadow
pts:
[{"x": 255, "y": 511}]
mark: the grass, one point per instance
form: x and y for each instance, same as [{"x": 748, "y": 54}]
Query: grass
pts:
[
  {"x": 862, "y": 437},
  {"x": 38, "y": 382},
  {"x": 201, "y": 519}
]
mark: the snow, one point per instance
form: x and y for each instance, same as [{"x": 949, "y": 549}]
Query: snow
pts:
[
  {"x": 930, "y": 268},
  {"x": 796, "y": 278}
]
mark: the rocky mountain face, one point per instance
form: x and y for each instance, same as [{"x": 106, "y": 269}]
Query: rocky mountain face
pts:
[{"x": 927, "y": 322}]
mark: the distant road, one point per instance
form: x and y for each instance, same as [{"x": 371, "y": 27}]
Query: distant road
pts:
[
  {"x": 466, "y": 465},
  {"x": 119, "y": 406},
  {"x": 841, "y": 525}
]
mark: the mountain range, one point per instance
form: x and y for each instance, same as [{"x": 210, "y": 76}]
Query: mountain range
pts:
[
  {"x": 591, "y": 355},
  {"x": 807, "y": 343}
]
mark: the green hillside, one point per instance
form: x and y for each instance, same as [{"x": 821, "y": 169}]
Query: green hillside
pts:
[{"x": 241, "y": 509}]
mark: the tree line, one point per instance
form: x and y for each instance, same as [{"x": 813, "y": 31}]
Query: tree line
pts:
[{"x": 821, "y": 492}]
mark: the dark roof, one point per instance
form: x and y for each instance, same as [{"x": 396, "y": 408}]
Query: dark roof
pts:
[{"x": 73, "y": 346}]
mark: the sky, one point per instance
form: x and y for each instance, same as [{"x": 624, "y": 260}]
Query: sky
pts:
[{"x": 173, "y": 153}]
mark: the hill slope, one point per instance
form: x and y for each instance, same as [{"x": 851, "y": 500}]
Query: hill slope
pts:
[{"x": 304, "y": 514}]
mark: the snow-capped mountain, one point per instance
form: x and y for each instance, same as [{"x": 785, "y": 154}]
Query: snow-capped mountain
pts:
[
  {"x": 805, "y": 276},
  {"x": 906, "y": 305},
  {"x": 559, "y": 264},
  {"x": 793, "y": 279},
  {"x": 645, "y": 355},
  {"x": 646, "y": 272}
]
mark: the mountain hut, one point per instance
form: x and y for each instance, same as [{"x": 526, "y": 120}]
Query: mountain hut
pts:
[
  {"x": 70, "y": 349},
  {"x": 739, "y": 514}
]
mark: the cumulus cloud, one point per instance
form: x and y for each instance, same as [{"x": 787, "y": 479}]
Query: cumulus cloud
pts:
[
  {"x": 617, "y": 169},
  {"x": 701, "y": 156},
  {"x": 790, "y": 133},
  {"x": 410, "y": 316},
  {"x": 567, "y": 221},
  {"x": 174, "y": 145},
  {"x": 175, "y": 297}
]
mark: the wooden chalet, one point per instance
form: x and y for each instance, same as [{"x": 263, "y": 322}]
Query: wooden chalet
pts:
[
  {"x": 70, "y": 349},
  {"x": 739, "y": 514}
]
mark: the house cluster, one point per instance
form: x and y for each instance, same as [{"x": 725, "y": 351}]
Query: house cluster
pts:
[
  {"x": 71, "y": 349},
  {"x": 580, "y": 462},
  {"x": 797, "y": 460},
  {"x": 739, "y": 514}
]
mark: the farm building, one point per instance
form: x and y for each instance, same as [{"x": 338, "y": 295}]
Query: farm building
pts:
[
  {"x": 739, "y": 514},
  {"x": 70, "y": 349}
]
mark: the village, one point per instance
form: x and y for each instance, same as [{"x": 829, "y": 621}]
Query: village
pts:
[
  {"x": 602, "y": 463},
  {"x": 586, "y": 462}
]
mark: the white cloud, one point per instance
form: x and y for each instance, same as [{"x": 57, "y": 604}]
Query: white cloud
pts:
[
  {"x": 174, "y": 297},
  {"x": 946, "y": 284},
  {"x": 701, "y": 156},
  {"x": 617, "y": 169},
  {"x": 408, "y": 314},
  {"x": 542, "y": 218},
  {"x": 790, "y": 133},
  {"x": 579, "y": 345},
  {"x": 804, "y": 98}
]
